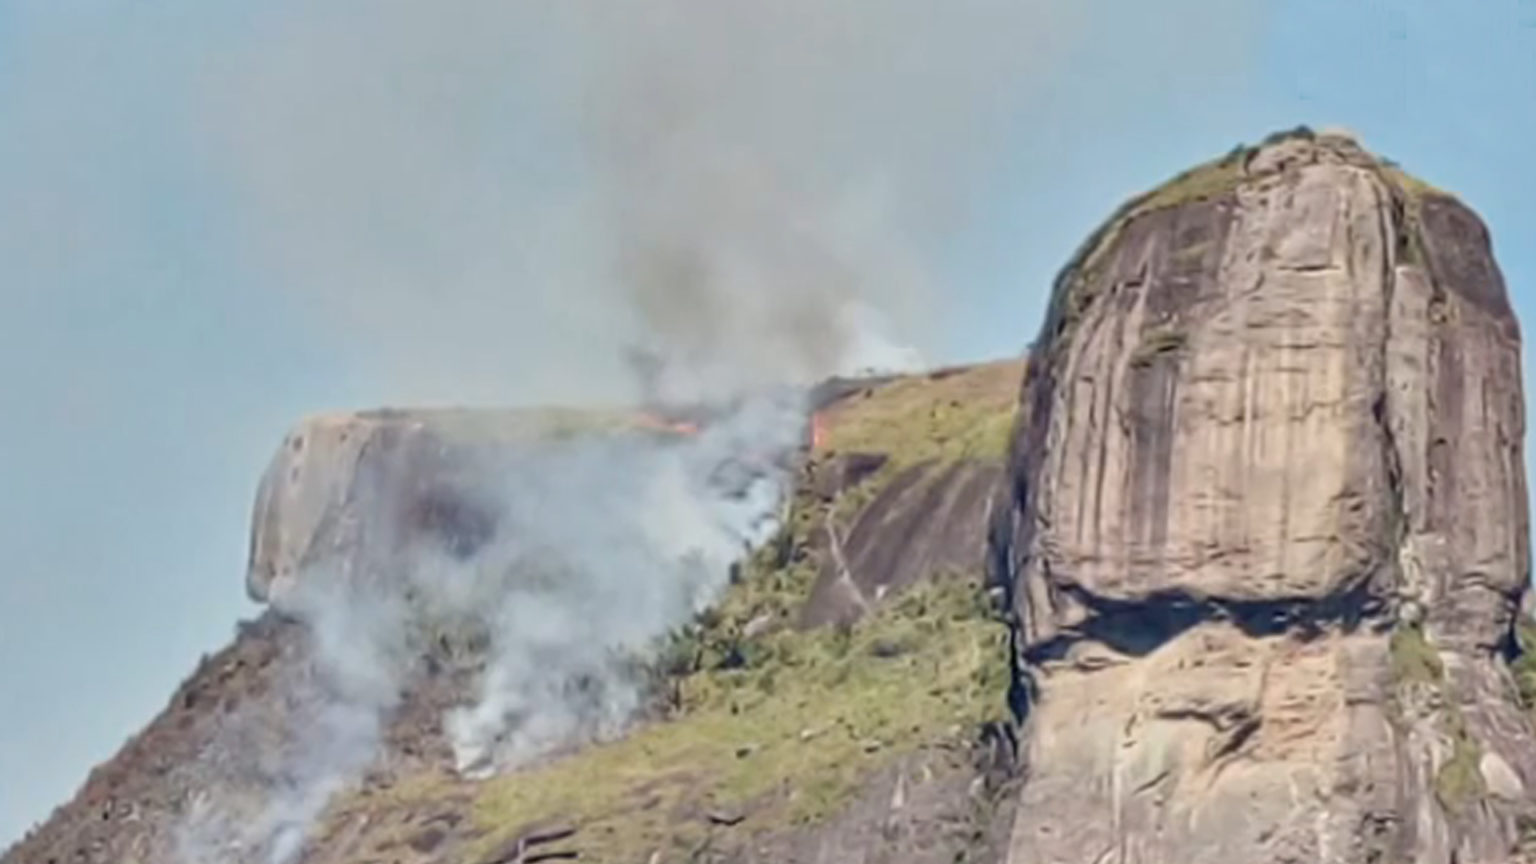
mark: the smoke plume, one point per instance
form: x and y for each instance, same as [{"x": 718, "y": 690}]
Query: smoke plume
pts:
[
  {"x": 601, "y": 544},
  {"x": 489, "y": 201},
  {"x": 674, "y": 202},
  {"x": 608, "y": 543}
]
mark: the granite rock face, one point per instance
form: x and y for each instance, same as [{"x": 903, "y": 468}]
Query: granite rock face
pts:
[
  {"x": 1266, "y": 534},
  {"x": 925, "y": 467},
  {"x": 350, "y": 492}
]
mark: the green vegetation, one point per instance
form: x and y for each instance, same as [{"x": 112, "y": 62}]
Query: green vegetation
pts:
[
  {"x": 780, "y": 729},
  {"x": 1524, "y": 666},
  {"x": 1301, "y": 131},
  {"x": 1193, "y": 253},
  {"x": 1206, "y": 180},
  {"x": 1410, "y": 192},
  {"x": 1200, "y": 183},
  {"x": 781, "y": 726},
  {"x": 943, "y": 419},
  {"x": 1411, "y": 186},
  {"x": 766, "y": 599},
  {"x": 1073, "y": 291},
  {"x": 1074, "y": 286},
  {"x": 753, "y": 718},
  {"x": 1459, "y": 783},
  {"x": 965, "y": 415},
  {"x": 1414, "y": 660}
]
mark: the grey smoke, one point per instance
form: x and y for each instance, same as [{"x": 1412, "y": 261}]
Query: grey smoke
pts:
[
  {"x": 274, "y": 768},
  {"x": 487, "y": 201},
  {"x": 607, "y": 544},
  {"x": 602, "y": 544},
  {"x": 601, "y": 202}
]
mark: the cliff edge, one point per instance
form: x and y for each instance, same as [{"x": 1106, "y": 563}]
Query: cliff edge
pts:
[{"x": 1266, "y": 541}]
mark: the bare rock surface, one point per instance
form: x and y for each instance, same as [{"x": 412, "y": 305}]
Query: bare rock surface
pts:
[
  {"x": 930, "y": 518},
  {"x": 920, "y": 460},
  {"x": 1266, "y": 535},
  {"x": 355, "y": 486}
]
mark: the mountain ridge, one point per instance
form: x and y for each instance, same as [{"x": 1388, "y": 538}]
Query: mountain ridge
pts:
[{"x": 1208, "y": 546}]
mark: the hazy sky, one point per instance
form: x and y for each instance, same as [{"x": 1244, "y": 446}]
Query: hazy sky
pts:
[{"x": 218, "y": 216}]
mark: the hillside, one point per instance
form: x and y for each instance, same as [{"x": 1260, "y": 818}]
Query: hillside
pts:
[
  {"x": 773, "y": 734},
  {"x": 1231, "y": 569}
]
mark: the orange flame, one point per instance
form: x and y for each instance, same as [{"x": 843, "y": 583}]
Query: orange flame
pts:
[{"x": 818, "y": 432}]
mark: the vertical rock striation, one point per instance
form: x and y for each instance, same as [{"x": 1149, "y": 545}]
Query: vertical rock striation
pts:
[{"x": 1267, "y": 534}]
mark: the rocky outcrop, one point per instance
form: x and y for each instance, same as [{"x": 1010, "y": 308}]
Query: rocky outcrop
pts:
[
  {"x": 781, "y": 741},
  {"x": 930, "y": 518},
  {"x": 912, "y": 467},
  {"x": 1266, "y": 535},
  {"x": 357, "y": 489}
]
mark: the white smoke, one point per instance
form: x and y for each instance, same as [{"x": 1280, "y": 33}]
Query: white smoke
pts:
[
  {"x": 607, "y": 545},
  {"x": 680, "y": 202},
  {"x": 603, "y": 542},
  {"x": 472, "y": 200},
  {"x": 276, "y": 766}
]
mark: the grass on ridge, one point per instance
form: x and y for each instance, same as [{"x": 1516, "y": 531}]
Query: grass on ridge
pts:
[
  {"x": 964, "y": 414},
  {"x": 783, "y": 734}
]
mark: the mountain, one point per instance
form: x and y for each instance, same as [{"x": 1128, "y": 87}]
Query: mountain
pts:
[
  {"x": 1230, "y": 569},
  {"x": 1267, "y": 538}
]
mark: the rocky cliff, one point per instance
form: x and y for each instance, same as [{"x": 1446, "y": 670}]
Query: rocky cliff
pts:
[
  {"x": 1255, "y": 550},
  {"x": 1267, "y": 533}
]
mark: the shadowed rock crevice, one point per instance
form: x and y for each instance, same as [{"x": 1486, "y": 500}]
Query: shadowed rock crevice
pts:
[{"x": 1138, "y": 628}]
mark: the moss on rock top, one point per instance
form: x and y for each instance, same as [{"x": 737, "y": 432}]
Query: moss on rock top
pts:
[
  {"x": 1219, "y": 176},
  {"x": 1215, "y": 178}
]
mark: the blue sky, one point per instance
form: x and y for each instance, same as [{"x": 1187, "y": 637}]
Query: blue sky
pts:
[{"x": 154, "y": 345}]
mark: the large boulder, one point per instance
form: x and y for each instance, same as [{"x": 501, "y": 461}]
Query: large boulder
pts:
[
  {"x": 348, "y": 493},
  {"x": 1266, "y": 535}
]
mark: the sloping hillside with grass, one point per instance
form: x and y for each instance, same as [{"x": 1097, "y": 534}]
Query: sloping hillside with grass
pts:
[{"x": 771, "y": 738}]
